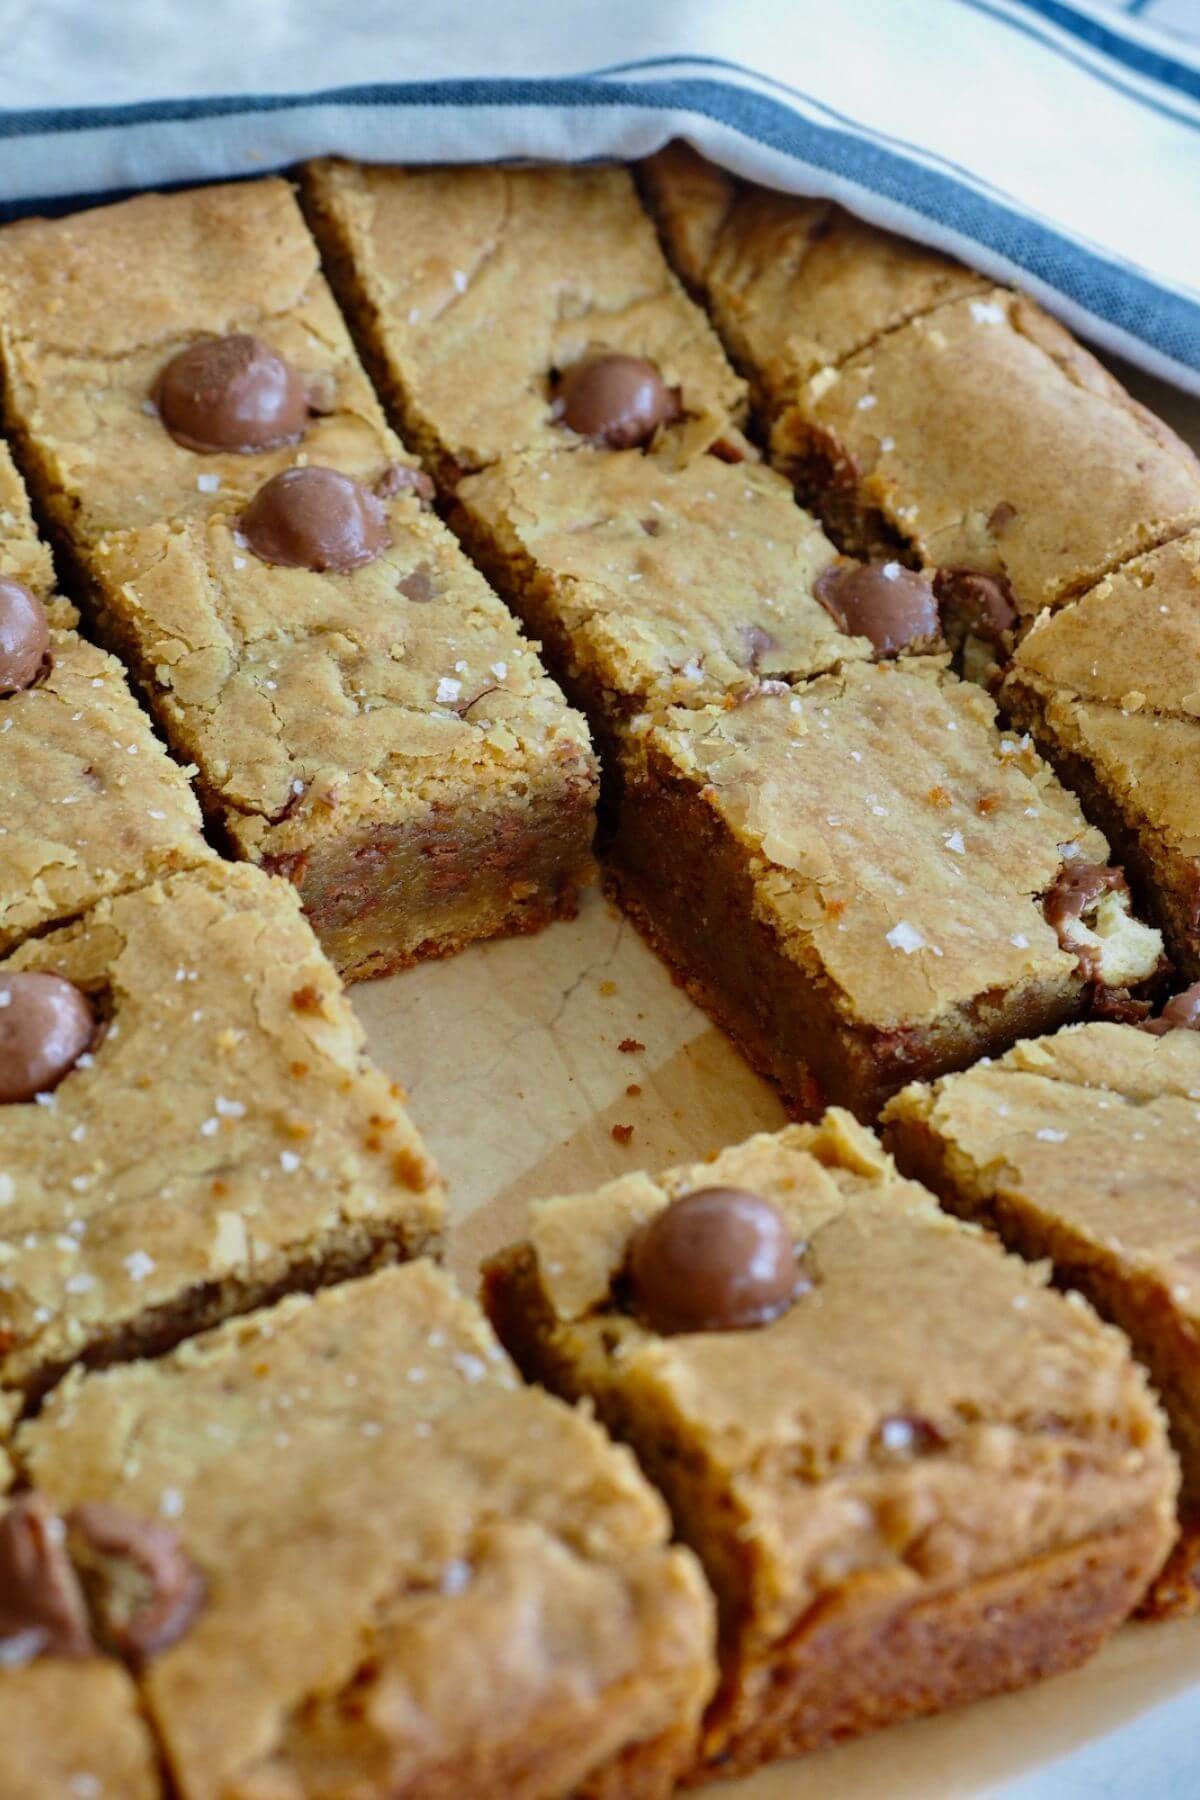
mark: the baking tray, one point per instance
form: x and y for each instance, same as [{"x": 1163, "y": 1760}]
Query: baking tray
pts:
[{"x": 512, "y": 1057}]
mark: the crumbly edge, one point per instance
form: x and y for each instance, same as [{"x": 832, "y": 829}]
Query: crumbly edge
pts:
[{"x": 1165, "y": 882}]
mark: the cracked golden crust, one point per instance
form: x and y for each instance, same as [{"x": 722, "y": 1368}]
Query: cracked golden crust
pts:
[
  {"x": 228, "y": 1139},
  {"x": 657, "y": 586},
  {"x": 899, "y": 845},
  {"x": 471, "y": 286},
  {"x": 70, "y": 1729},
  {"x": 312, "y": 702},
  {"x": 772, "y": 1446},
  {"x": 794, "y": 284},
  {"x": 483, "y": 1580},
  {"x": 92, "y": 307},
  {"x": 953, "y": 430},
  {"x": 90, "y": 802}
]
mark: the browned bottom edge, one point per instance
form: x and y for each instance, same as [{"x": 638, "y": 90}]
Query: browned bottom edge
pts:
[{"x": 848, "y": 1669}]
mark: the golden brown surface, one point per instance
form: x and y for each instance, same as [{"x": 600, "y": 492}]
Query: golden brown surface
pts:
[
  {"x": 653, "y": 585},
  {"x": 794, "y": 285},
  {"x": 72, "y": 1731},
  {"x": 471, "y": 287},
  {"x": 983, "y": 436},
  {"x": 91, "y": 308},
  {"x": 340, "y": 719},
  {"x": 1111, "y": 688},
  {"x": 227, "y": 1140},
  {"x": 452, "y": 1586},
  {"x": 1081, "y": 1148},
  {"x": 845, "y": 1462},
  {"x": 853, "y": 876},
  {"x": 90, "y": 803}
]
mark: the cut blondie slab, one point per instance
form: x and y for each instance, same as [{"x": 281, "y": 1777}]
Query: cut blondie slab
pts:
[
  {"x": 1082, "y": 1148},
  {"x": 927, "y": 1478},
  {"x": 1109, "y": 688},
  {"x": 224, "y": 1140},
  {"x": 920, "y": 409},
  {"x": 856, "y": 878},
  {"x": 451, "y": 1585},
  {"x": 981, "y": 439},
  {"x": 73, "y": 1730},
  {"x": 90, "y": 802},
  {"x": 474, "y": 290},
  {"x": 383, "y": 736},
  {"x": 794, "y": 285},
  {"x": 144, "y": 468},
  {"x": 94, "y": 306},
  {"x": 650, "y": 585}
]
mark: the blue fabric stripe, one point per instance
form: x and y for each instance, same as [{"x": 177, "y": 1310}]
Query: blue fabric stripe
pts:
[
  {"x": 1156, "y": 65},
  {"x": 1051, "y": 43},
  {"x": 1100, "y": 285}
]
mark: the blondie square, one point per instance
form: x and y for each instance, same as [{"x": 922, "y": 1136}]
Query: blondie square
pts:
[
  {"x": 1082, "y": 1149},
  {"x": 383, "y": 736},
  {"x": 418, "y": 1576},
  {"x": 794, "y": 285},
  {"x": 918, "y": 1477},
  {"x": 224, "y": 1139},
  {"x": 94, "y": 307},
  {"x": 90, "y": 802},
  {"x": 474, "y": 290},
  {"x": 981, "y": 439},
  {"x": 73, "y": 1730},
  {"x": 1110, "y": 688},
  {"x": 649, "y": 585},
  {"x": 865, "y": 882}
]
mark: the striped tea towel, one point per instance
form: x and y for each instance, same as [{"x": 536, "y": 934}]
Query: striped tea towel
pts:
[{"x": 1055, "y": 143}]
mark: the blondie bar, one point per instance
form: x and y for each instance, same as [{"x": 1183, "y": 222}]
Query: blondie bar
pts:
[
  {"x": 865, "y": 882},
  {"x": 482, "y": 295},
  {"x": 188, "y": 1125},
  {"x": 652, "y": 586},
  {"x": 1081, "y": 1148},
  {"x": 252, "y": 539},
  {"x": 1110, "y": 690},
  {"x": 86, "y": 344},
  {"x": 90, "y": 802},
  {"x": 913, "y": 1473},
  {"x": 924, "y": 412},
  {"x": 449, "y": 1584}
]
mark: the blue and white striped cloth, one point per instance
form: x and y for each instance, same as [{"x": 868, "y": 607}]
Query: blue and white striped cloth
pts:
[{"x": 1055, "y": 143}]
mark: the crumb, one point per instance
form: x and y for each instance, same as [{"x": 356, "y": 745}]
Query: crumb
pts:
[
  {"x": 939, "y": 796},
  {"x": 412, "y": 1171},
  {"x": 622, "y": 1134},
  {"x": 307, "y": 999},
  {"x": 299, "y": 1070},
  {"x": 630, "y": 1046},
  {"x": 608, "y": 988},
  {"x": 633, "y": 1090},
  {"x": 988, "y": 803}
]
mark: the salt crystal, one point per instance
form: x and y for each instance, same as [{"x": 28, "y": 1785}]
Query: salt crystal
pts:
[{"x": 906, "y": 937}]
